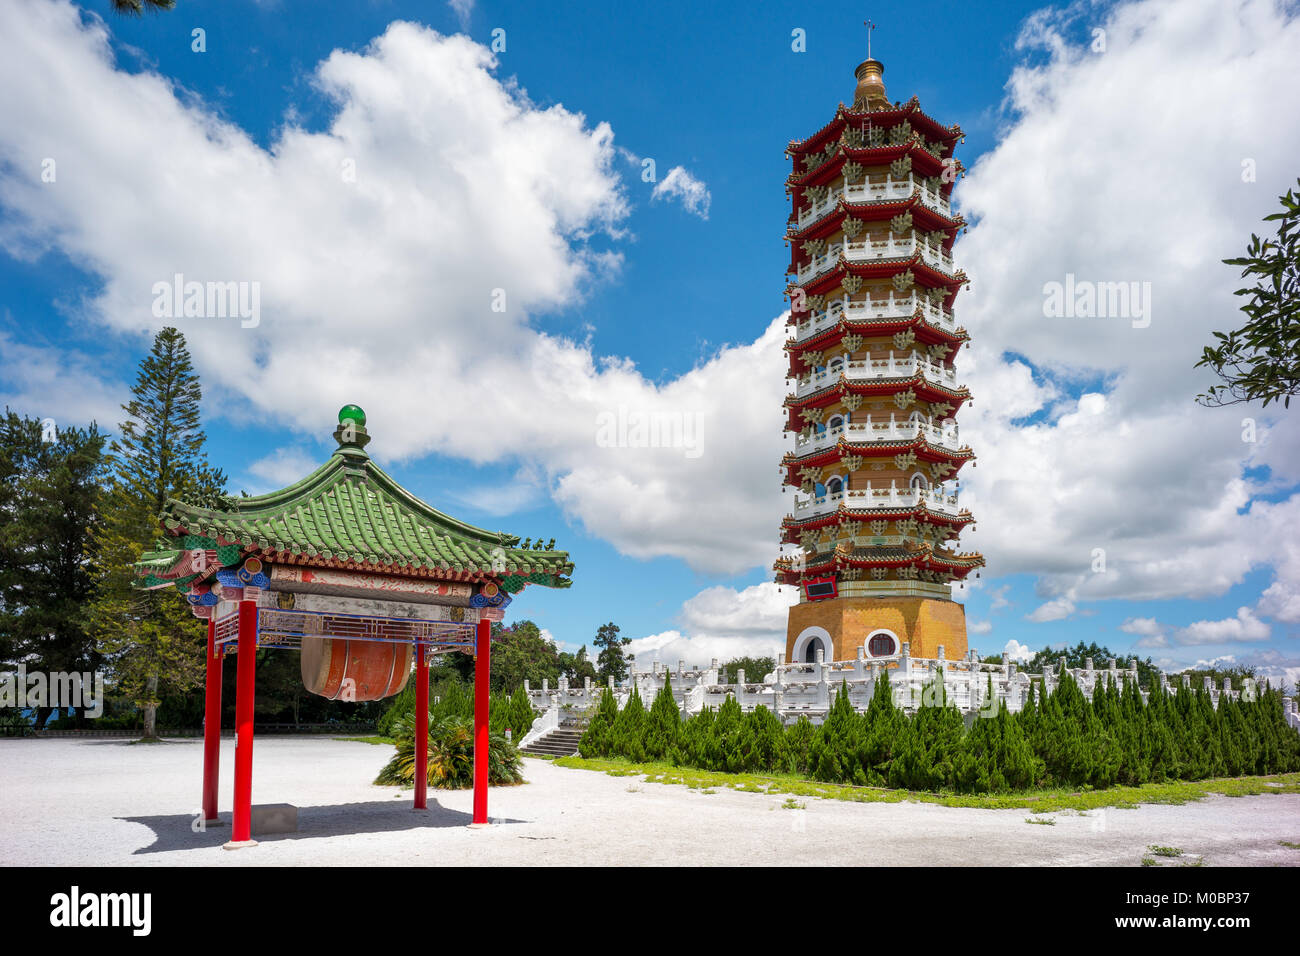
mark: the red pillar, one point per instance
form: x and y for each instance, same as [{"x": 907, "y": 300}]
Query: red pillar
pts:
[
  {"x": 212, "y": 726},
  {"x": 482, "y": 666},
  {"x": 421, "y": 727},
  {"x": 242, "y": 819}
]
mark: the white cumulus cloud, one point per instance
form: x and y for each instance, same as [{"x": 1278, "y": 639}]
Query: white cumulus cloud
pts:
[{"x": 692, "y": 193}]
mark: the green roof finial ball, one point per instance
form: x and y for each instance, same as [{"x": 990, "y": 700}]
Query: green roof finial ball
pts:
[{"x": 352, "y": 413}]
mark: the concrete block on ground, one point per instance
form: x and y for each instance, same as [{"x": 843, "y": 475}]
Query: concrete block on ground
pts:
[{"x": 275, "y": 818}]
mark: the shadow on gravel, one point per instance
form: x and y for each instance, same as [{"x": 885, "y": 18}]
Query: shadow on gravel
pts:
[{"x": 174, "y": 831}]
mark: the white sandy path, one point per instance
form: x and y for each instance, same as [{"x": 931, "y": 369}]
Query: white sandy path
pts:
[{"x": 97, "y": 802}]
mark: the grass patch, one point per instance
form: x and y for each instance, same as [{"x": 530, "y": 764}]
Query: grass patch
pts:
[
  {"x": 1148, "y": 861},
  {"x": 1038, "y": 801},
  {"x": 1165, "y": 850},
  {"x": 1045, "y": 822},
  {"x": 792, "y": 804},
  {"x": 1289, "y": 844},
  {"x": 372, "y": 739}
]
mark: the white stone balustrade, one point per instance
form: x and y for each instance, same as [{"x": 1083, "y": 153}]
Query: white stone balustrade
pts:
[
  {"x": 889, "y": 190},
  {"x": 892, "y": 308},
  {"x": 945, "y": 436},
  {"x": 871, "y": 369},
  {"x": 936, "y": 499}
]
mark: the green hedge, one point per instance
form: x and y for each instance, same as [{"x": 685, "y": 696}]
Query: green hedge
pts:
[{"x": 1064, "y": 740}]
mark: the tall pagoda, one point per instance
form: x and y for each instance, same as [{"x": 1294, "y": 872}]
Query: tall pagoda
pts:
[{"x": 877, "y": 452}]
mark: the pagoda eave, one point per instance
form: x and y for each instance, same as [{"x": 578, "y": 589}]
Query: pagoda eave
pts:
[
  {"x": 925, "y": 452},
  {"x": 926, "y": 333},
  {"x": 876, "y": 210}
]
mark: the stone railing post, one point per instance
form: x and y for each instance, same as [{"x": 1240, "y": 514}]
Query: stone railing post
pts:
[
  {"x": 823, "y": 680},
  {"x": 740, "y": 687}
]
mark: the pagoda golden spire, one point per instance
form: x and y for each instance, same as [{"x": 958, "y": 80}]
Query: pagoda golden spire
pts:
[{"x": 870, "y": 93}]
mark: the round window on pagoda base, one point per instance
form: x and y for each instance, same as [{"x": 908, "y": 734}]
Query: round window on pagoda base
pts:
[{"x": 882, "y": 644}]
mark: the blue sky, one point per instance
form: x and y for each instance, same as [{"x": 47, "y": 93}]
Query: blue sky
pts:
[{"x": 717, "y": 90}]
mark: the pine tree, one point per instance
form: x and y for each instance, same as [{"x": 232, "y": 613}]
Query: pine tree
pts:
[
  {"x": 611, "y": 661},
  {"x": 150, "y": 639},
  {"x": 49, "y": 496}
]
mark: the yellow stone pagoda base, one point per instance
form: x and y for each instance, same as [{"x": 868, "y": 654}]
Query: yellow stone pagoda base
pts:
[{"x": 925, "y": 623}]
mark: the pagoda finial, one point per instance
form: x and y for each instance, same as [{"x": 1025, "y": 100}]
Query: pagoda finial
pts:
[{"x": 870, "y": 94}]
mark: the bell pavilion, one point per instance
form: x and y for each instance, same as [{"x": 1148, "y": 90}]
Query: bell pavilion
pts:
[
  {"x": 877, "y": 451},
  {"x": 362, "y": 578}
]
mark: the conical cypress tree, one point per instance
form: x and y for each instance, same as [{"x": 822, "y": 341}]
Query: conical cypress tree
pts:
[
  {"x": 520, "y": 714},
  {"x": 798, "y": 744},
  {"x": 762, "y": 742},
  {"x": 664, "y": 724},
  {"x": 837, "y": 751},
  {"x": 598, "y": 739},
  {"x": 694, "y": 742},
  {"x": 630, "y": 728},
  {"x": 882, "y": 726},
  {"x": 724, "y": 738}
]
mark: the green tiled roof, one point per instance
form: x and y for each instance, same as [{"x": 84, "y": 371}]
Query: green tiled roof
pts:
[{"x": 350, "y": 512}]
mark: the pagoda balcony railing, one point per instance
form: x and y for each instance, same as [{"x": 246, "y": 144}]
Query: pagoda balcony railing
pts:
[
  {"x": 944, "y": 436},
  {"x": 895, "y": 307},
  {"x": 877, "y": 250},
  {"x": 936, "y": 499},
  {"x": 890, "y": 189},
  {"x": 867, "y": 370}
]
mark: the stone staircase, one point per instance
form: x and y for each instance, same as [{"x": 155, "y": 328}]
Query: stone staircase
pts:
[{"x": 560, "y": 742}]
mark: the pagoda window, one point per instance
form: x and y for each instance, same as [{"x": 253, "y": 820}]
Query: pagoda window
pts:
[
  {"x": 835, "y": 486},
  {"x": 837, "y": 421},
  {"x": 919, "y": 483},
  {"x": 882, "y": 644}
]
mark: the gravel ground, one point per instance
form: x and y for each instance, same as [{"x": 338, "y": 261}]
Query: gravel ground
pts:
[{"x": 84, "y": 801}]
